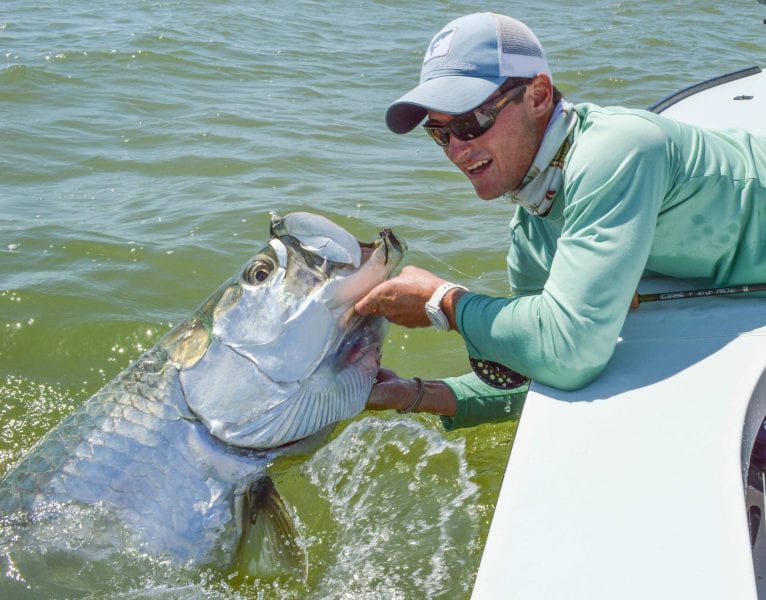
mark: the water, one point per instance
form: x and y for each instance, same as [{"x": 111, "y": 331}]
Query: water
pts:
[{"x": 142, "y": 146}]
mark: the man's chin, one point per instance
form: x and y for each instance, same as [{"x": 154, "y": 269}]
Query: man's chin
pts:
[{"x": 488, "y": 195}]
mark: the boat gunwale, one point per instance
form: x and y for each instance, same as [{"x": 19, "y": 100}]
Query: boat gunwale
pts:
[{"x": 677, "y": 96}]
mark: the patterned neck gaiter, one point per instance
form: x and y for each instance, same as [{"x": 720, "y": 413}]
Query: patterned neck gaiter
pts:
[{"x": 542, "y": 181}]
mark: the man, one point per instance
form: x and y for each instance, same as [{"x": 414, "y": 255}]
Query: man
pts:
[{"x": 603, "y": 194}]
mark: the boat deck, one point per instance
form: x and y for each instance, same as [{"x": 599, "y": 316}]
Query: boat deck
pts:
[{"x": 634, "y": 486}]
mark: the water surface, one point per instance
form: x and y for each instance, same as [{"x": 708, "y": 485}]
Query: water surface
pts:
[{"x": 143, "y": 145}]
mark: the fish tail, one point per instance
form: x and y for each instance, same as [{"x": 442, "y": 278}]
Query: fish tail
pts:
[{"x": 270, "y": 545}]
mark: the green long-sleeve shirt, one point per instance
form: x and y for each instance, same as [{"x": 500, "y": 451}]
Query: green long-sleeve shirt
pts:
[{"x": 640, "y": 192}]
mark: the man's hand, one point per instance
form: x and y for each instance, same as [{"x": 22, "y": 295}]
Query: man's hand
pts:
[
  {"x": 393, "y": 392},
  {"x": 402, "y": 299},
  {"x": 389, "y": 392}
]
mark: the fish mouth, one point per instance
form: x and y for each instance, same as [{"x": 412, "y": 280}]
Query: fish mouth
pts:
[
  {"x": 389, "y": 239},
  {"x": 393, "y": 247}
]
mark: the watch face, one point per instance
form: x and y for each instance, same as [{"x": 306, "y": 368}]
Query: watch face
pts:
[{"x": 437, "y": 317}]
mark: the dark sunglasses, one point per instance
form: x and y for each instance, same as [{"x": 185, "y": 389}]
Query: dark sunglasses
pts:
[{"x": 472, "y": 124}]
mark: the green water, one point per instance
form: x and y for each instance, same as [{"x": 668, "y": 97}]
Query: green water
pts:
[{"x": 143, "y": 145}]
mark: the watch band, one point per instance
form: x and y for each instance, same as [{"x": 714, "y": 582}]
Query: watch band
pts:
[{"x": 434, "y": 305}]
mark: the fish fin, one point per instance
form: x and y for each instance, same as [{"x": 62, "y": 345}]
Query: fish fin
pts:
[{"x": 270, "y": 545}]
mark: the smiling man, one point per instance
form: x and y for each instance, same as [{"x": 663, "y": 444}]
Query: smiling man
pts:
[{"x": 602, "y": 194}]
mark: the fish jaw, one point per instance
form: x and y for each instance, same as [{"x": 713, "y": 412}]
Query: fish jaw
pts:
[{"x": 381, "y": 258}]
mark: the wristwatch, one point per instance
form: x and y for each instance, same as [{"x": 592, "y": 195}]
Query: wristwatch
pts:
[{"x": 434, "y": 305}]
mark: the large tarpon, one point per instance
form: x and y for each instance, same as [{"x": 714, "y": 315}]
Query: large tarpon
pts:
[{"x": 175, "y": 448}]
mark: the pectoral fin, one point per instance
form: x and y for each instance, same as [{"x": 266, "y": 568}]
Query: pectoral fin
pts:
[{"x": 270, "y": 545}]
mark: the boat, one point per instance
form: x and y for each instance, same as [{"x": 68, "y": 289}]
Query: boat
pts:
[{"x": 649, "y": 483}]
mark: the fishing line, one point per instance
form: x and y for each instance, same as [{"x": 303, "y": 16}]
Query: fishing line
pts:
[{"x": 462, "y": 273}]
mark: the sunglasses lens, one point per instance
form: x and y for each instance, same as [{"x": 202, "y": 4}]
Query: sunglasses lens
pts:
[
  {"x": 467, "y": 127},
  {"x": 439, "y": 134}
]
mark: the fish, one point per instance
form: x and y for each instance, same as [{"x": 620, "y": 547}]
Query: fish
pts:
[{"x": 171, "y": 457}]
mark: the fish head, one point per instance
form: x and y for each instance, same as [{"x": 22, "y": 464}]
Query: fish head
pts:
[{"x": 283, "y": 354}]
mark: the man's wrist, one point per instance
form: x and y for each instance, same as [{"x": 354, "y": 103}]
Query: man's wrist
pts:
[
  {"x": 435, "y": 306},
  {"x": 449, "y": 305},
  {"x": 419, "y": 394}
]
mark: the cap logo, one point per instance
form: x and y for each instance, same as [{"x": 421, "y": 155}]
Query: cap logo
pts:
[{"x": 440, "y": 45}]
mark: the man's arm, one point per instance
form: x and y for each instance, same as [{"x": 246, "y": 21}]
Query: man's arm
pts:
[{"x": 564, "y": 336}]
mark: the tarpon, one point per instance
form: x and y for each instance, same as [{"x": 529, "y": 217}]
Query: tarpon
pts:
[{"x": 175, "y": 448}]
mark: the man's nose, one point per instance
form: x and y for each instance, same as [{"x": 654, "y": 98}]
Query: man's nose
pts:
[{"x": 456, "y": 148}]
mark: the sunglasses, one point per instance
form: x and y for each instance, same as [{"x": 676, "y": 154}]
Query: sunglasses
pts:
[{"x": 472, "y": 124}]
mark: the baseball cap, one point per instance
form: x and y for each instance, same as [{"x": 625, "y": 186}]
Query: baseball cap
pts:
[{"x": 465, "y": 63}]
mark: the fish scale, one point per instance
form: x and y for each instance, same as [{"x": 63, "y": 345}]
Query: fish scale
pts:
[{"x": 99, "y": 455}]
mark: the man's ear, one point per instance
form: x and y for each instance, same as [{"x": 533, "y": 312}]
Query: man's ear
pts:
[{"x": 540, "y": 92}]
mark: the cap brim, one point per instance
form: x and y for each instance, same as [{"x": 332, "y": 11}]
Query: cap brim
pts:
[{"x": 450, "y": 95}]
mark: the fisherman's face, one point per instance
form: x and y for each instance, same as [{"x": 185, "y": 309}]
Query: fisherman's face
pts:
[{"x": 497, "y": 161}]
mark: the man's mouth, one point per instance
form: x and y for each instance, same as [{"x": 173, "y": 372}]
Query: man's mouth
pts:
[{"x": 477, "y": 167}]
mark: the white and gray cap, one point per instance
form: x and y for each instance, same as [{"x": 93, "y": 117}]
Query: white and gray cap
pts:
[{"x": 465, "y": 63}]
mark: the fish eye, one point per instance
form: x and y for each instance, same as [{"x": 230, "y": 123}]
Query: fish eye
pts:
[{"x": 258, "y": 271}]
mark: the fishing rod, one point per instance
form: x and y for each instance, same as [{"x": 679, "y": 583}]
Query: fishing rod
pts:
[{"x": 721, "y": 291}]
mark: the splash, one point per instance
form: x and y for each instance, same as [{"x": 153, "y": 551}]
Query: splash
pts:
[
  {"x": 405, "y": 512},
  {"x": 69, "y": 551}
]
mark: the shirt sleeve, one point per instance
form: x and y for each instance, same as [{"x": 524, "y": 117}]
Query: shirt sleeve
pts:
[
  {"x": 479, "y": 403},
  {"x": 615, "y": 180}
]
